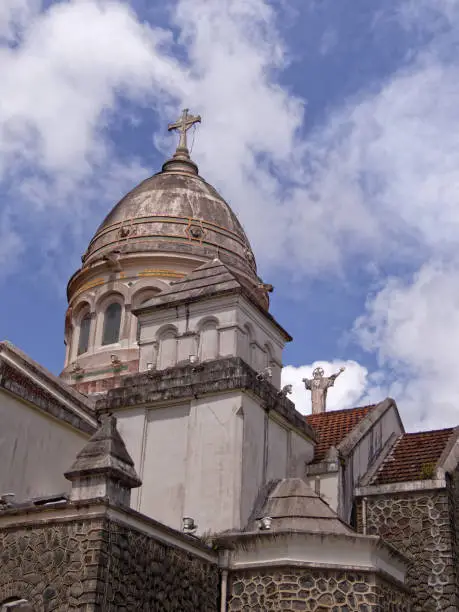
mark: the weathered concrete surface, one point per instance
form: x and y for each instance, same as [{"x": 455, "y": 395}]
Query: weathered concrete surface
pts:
[{"x": 184, "y": 382}]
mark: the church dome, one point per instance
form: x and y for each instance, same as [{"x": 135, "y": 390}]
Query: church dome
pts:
[
  {"x": 175, "y": 212},
  {"x": 159, "y": 233}
]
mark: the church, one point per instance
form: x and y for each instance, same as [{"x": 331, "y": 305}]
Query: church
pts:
[{"x": 166, "y": 468}]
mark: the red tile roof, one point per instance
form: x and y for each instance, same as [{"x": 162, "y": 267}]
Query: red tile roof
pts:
[
  {"x": 413, "y": 457},
  {"x": 333, "y": 426}
]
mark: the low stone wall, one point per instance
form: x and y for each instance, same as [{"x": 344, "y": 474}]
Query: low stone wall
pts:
[
  {"x": 310, "y": 590},
  {"x": 421, "y": 526},
  {"x": 141, "y": 574},
  {"x": 101, "y": 565},
  {"x": 54, "y": 567}
]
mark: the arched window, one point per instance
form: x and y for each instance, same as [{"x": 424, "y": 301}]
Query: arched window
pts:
[
  {"x": 85, "y": 328},
  {"x": 112, "y": 323}
]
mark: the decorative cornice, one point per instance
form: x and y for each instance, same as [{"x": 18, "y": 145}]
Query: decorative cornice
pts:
[
  {"x": 414, "y": 486},
  {"x": 101, "y": 508},
  {"x": 304, "y": 551},
  {"x": 187, "y": 382},
  {"x": 20, "y": 385}
]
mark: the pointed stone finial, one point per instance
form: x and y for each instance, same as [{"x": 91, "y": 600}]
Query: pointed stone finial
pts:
[
  {"x": 103, "y": 468},
  {"x": 181, "y": 161}
]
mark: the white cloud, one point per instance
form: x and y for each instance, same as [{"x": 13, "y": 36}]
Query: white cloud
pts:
[
  {"x": 413, "y": 327},
  {"x": 60, "y": 83},
  {"x": 368, "y": 181},
  {"x": 369, "y": 177},
  {"x": 349, "y": 390},
  {"x": 14, "y": 16},
  {"x": 378, "y": 179}
]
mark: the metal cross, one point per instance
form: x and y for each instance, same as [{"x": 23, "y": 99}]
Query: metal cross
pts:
[{"x": 182, "y": 125}]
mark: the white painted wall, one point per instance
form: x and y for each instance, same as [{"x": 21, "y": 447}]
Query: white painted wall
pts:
[
  {"x": 208, "y": 458},
  {"x": 214, "y": 462},
  {"x": 270, "y": 451},
  {"x": 277, "y": 465},
  {"x": 313, "y": 549},
  {"x": 328, "y": 487},
  {"x": 35, "y": 450},
  {"x": 132, "y": 425},
  {"x": 253, "y": 455},
  {"x": 301, "y": 452},
  {"x": 363, "y": 456},
  {"x": 165, "y": 463},
  {"x": 223, "y": 327}
]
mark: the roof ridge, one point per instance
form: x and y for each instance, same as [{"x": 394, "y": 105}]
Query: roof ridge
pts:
[
  {"x": 216, "y": 270},
  {"x": 428, "y": 431},
  {"x": 327, "y": 412}
]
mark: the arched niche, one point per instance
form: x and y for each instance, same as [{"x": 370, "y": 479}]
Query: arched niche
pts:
[
  {"x": 167, "y": 339},
  {"x": 248, "y": 344},
  {"x": 269, "y": 355},
  {"x": 208, "y": 339},
  {"x": 140, "y": 297}
]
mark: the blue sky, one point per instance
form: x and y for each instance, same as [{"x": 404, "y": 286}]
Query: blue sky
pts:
[{"x": 334, "y": 123}]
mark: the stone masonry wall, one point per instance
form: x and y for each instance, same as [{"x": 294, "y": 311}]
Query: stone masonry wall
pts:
[
  {"x": 98, "y": 565},
  {"x": 55, "y": 567},
  {"x": 454, "y": 499},
  {"x": 420, "y": 525},
  {"x": 138, "y": 573},
  {"x": 308, "y": 590}
]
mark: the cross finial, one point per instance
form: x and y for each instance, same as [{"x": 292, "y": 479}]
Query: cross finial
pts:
[{"x": 182, "y": 125}]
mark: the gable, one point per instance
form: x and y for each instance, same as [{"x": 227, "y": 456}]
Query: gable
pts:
[{"x": 333, "y": 426}]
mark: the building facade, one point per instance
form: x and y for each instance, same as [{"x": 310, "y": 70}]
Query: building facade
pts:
[{"x": 166, "y": 469}]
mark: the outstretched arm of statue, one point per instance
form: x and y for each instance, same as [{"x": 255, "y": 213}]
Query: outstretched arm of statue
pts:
[
  {"x": 307, "y": 383},
  {"x": 333, "y": 377}
]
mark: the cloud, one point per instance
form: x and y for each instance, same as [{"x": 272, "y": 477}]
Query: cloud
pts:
[
  {"x": 60, "y": 84},
  {"x": 374, "y": 185},
  {"x": 367, "y": 182},
  {"x": 14, "y": 16},
  {"x": 412, "y": 326},
  {"x": 363, "y": 183},
  {"x": 349, "y": 390},
  {"x": 65, "y": 71}
]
